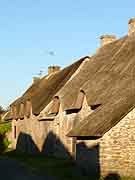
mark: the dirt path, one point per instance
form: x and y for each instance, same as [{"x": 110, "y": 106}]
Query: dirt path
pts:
[{"x": 13, "y": 170}]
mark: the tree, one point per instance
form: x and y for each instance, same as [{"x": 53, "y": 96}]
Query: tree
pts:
[{"x": 1, "y": 110}]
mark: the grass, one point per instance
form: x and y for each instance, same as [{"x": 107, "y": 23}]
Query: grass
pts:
[{"x": 61, "y": 169}]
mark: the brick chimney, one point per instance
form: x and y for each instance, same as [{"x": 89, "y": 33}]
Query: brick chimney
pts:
[
  {"x": 131, "y": 26},
  {"x": 106, "y": 39},
  {"x": 53, "y": 69}
]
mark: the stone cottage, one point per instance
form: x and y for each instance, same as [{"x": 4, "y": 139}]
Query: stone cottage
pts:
[{"x": 85, "y": 111}]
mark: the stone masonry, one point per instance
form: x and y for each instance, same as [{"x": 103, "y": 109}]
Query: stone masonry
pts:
[{"x": 117, "y": 148}]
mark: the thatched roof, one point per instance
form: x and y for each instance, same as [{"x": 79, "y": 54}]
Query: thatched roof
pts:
[
  {"x": 93, "y": 77},
  {"x": 42, "y": 92},
  {"x": 51, "y": 86},
  {"x": 111, "y": 83},
  {"x": 107, "y": 78}
]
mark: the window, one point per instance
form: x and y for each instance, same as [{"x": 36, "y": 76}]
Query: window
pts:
[
  {"x": 55, "y": 106},
  {"x": 80, "y": 99},
  {"x": 94, "y": 107},
  {"x": 14, "y": 132}
]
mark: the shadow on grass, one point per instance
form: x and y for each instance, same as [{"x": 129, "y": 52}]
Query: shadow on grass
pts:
[{"x": 55, "y": 159}]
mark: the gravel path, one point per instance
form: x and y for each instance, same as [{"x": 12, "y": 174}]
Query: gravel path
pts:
[{"x": 13, "y": 170}]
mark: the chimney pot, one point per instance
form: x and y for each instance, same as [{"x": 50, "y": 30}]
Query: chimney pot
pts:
[
  {"x": 53, "y": 69},
  {"x": 131, "y": 26},
  {"x": 106, "y": 39}
]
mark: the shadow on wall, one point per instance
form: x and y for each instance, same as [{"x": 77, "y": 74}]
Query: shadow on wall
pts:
[
  {"x": 54, "y": 146},
  {"x": 88, "y": 159},
  {"x": 25, "y": 144},
  {"x": 51, "y": 146}
]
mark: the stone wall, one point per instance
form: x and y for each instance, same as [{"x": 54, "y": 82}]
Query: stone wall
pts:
[
  {"x": 67, "y": 122},
  {"x": 44, "y": 133},
  {"x": 43, "y": 136},
  {"x": 116, "y": 149},
  {"x": 114, "y": 152},
  {"x": 32, "y": 132}
]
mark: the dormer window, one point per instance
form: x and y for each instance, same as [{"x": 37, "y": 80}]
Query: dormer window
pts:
[
  {"x": 53, "y": 110},
  {"x": 78, "y": 104},
  {"x": 14, "y": 112},
  {"x": 21, "y": 112},
  {"x": 95, "y": 106},
  {"x": 28, "y": 107},
  {"x": 55, "y": 106},
  {"x": 80, "y": 99}
]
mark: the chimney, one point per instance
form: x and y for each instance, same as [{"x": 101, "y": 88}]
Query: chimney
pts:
[
  {"x": 53, "y": 69},
  {"x": 131, "y": 26},
  {"x": 35, "y": 79},
  {"x": 106, "y": 39}
]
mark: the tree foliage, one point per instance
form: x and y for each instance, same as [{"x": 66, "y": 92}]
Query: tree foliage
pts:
[
  {"x": 1, "y": 110},
  {"x": 5, "y": 127}
]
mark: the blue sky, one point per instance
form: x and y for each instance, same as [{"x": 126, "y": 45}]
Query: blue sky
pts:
[{"x": 30, "y": 29}]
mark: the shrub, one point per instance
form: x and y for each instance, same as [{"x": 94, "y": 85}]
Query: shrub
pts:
[
  {"x": 4, "y": 142},
  {"x": 5, "y": 127}
]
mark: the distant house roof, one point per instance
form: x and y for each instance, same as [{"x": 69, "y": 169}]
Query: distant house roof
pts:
[
  {"x": 42, "y": 92},
  {"x": 49, "y": 87},
  {"x": 111, "y": 83}
]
